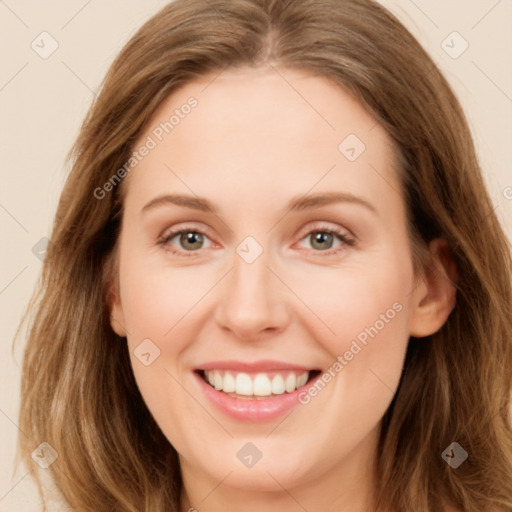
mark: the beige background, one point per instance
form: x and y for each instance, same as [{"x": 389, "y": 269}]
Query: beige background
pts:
[{"x": 43, "y": 101}]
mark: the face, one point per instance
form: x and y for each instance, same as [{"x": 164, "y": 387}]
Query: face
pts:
[{"x": 266, "y": 286}]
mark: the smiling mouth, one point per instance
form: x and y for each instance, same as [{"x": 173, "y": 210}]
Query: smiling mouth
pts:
[{"x": 257, "y": 386}]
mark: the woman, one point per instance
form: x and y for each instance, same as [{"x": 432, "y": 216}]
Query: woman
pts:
[{"x": 276, "y": 279}]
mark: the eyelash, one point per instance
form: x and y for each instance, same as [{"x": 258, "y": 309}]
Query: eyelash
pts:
[{"x": 341, "y": 235}]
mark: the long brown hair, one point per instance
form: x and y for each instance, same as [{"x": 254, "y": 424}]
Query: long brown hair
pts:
[{"x": 78, "y": 391}]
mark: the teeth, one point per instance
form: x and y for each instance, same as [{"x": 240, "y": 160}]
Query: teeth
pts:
[
  {"x": 218, "y": 381},
  {"x": 229, "y": 383},
  {"x": 243, "y": 384},
  {"x": 260, "y": 384},
  {"x": 302, "y": 379},
  {"x": 278, "y": 385}
]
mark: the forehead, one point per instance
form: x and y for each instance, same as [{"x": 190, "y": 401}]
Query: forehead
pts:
[{"x": 257, "y": 127}]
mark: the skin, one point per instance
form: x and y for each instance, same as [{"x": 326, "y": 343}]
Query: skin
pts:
[{"x": 251, "y": 145}]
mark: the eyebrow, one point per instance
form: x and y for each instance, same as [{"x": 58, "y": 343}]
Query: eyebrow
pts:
[{"x": 298, "y": 203}]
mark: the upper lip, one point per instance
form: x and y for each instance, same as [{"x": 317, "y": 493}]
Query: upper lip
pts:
[{"x": 252, "y": 366}]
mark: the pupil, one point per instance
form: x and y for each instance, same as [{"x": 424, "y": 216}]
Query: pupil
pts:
[
  {"x": 322, "y": 238},
  {"x": 190, "y": 238}
]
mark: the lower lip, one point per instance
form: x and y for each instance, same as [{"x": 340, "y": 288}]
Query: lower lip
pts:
[{"x": 251, "y": 410}]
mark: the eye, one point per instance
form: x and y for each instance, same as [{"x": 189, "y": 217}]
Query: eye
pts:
[
  {"x": 324, "y": 238},
  {"x": 189, "y": 240}
]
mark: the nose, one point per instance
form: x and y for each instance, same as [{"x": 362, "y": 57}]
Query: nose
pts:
[{"x": 253, "y": 302}]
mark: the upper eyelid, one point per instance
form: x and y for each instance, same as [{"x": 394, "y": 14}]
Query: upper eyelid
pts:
[
  {"x": 325, "y": 227},
  {"x": 304, "y": 231},
  {"x": 187, "y": 228}
]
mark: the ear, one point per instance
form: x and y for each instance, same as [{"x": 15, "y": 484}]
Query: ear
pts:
[
  {"x": 111, "y": 280},
  {"x": 434, "y": 298}
]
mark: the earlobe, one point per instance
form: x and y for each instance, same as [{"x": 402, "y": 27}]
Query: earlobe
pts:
[
  {"x": 435, "y": 297},
  {"x": 113, "y": 297},
  {"x": 117, "y": 320}
]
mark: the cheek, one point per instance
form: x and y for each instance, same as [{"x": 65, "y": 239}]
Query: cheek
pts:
[
  {"x": 163, "y": 305},
  {"x": 156, "y": 299},
  {"x": 345, "y": 303},
  {"x": 364, "y": 312}
]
